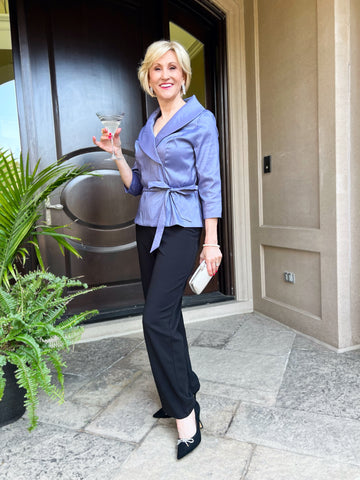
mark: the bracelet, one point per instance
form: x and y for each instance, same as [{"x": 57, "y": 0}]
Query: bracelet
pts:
[{"x": 211, "y": 245}]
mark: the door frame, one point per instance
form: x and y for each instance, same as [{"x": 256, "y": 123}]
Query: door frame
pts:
[{"x": 237, "y": 123}]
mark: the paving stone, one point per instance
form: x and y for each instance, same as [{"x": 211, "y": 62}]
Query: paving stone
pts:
[
  {"x": 270, "y": 464},
  {"x": 155, "y": 459},
  {"x": 104, "y": 388},
  {"x": 299, "y": 432},
  {"x": 353, "y": 354},
  {"x": 267, "y": 322},
  {"x": 304, "y": 343},
  {"x": 51, "y": 453},
  {"x": 216, "y": 413},
  {"x": 212, "y": 339},
  {"x": 72, "y": 383},
  {"x": 137, "y": 360},
  {"x": 242, "y": 369},
  {"x": 237, "y": 393},
  {"x": 228, "y": 324},
  {"x": 105, "y": 429},
  {"x": 261, "y": 336},
  {"x": 67, "y": 414},
  {"x": 89, "y": 359},
  {"x": 129, "y": 416},
  {"x": 192, "y": 334},
  {"x": 321, "y": 382}
]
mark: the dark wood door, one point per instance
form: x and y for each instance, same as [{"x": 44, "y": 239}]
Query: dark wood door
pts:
[{"x": 72, "y": 59}]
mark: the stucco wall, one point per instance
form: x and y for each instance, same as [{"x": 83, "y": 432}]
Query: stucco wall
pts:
[
  {"x": 303, "y": 92},
  {"x": 297, "y": 85}
]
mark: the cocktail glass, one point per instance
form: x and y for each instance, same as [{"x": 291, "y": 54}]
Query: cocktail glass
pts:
[{"x": 112, "y": 123}]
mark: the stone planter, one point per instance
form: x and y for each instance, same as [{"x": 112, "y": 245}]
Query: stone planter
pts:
[{"x": 12, "y": 403}]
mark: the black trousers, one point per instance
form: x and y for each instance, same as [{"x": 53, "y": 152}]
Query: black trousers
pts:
[{"x": 164, "y": 274}]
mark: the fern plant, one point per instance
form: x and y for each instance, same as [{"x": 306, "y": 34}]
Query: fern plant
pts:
[
  {"x": 33, "y": 323},
  {"x": 23, "y": 192},
  {"x": 33, "y": 331}
]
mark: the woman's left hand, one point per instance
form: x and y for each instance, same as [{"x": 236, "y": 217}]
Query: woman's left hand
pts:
[{"x": 212, "y": 257}]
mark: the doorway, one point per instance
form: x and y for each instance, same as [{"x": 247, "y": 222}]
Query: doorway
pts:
[{"x": 68, "y": 65}]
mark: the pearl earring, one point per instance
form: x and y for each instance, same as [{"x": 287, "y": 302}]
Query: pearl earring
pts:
[
  {"x": 151, "y": 90},
  {"x": 183, "y": 89}
]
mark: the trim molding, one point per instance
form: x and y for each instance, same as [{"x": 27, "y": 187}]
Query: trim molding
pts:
[{"x": 235, "y": 33}]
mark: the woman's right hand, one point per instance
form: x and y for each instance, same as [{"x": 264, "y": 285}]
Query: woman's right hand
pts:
[
  {"x": 105, "y": 141},
  {"x": 105, "y": 144}
]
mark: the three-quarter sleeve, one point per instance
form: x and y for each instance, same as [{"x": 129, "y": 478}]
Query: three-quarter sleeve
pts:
[
  {"x": 136, "y": 185},
  {"x": 208, "y": 165}
]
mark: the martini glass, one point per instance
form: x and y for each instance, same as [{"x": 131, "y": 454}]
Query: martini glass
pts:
[{"x": 112, "y": 123}]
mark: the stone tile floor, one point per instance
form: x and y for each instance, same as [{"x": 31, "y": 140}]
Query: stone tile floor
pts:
[{"x": 275, "y": 406}]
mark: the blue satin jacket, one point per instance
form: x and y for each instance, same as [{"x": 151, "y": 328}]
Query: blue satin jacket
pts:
[{"x": 177, "y": 172}]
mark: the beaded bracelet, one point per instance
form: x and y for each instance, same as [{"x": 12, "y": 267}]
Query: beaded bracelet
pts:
[{"x": 211, "y": 245}]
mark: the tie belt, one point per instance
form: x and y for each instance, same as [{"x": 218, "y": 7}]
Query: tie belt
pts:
[{"x": 161, "y": 186}]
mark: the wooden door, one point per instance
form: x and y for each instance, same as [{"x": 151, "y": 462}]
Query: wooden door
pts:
[{"x": 73, "y": 59}]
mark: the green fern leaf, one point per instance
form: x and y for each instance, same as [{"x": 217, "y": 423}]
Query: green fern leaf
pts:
[
  {"x": 76, "y": 319},
  {"x": 44, "y": 382},
  {"x": 58, "y": 364},
  {"x": 26, "y": 378},
  {"x": 30, "y": 342},
  {"x": 7, "y": 303}
]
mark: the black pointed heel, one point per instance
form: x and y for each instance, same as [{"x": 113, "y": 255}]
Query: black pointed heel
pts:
[
  {"x": 185, "y": 446},
  {"x": 197, "y": 415}
]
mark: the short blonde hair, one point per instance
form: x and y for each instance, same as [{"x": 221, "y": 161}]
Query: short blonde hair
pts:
[{"x": 157, "y": 50}]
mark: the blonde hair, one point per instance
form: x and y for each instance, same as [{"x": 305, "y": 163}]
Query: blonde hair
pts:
[{"x": 157, "y": 50}]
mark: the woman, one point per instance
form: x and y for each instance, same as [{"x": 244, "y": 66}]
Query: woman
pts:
[{"x": 176, "y": 172}]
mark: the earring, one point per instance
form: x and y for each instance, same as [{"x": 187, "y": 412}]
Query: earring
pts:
[
  {"x": 183, "y": 89},
  {"x": 151, "y": 90}
]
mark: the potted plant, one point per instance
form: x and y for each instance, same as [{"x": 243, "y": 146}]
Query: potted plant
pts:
[
  {"x": 33, "y": 330},
  {"x": 33, "y": 323}
]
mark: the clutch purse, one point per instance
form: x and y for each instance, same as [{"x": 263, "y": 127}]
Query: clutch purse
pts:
[{"x": 200, "y": 278}]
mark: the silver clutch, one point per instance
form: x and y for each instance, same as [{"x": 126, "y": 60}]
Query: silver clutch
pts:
[{"x": 200, "y": 278}]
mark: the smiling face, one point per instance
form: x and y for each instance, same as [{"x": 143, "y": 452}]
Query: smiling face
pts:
[{"x": 166, "y": 77}]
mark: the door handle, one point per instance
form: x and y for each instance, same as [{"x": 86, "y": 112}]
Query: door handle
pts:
[{"x": 50, "y": 207}]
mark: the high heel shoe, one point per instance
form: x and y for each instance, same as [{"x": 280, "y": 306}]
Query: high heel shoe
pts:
[
  {"x": 186, "y": 446},
  {"x": 162, "y": 414}
]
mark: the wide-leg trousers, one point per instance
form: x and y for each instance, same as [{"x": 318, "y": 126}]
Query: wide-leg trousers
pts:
[{"x": 164, "y": 274}]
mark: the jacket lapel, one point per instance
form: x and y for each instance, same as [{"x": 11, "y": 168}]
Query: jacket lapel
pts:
[
  {"x": 182, "y": 117},
  {"x": 147, "y": 140},
  {"x": 149, "y": 143}
]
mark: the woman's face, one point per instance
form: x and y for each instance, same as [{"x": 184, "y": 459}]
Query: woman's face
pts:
[{"x": 166, "y": 77}]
